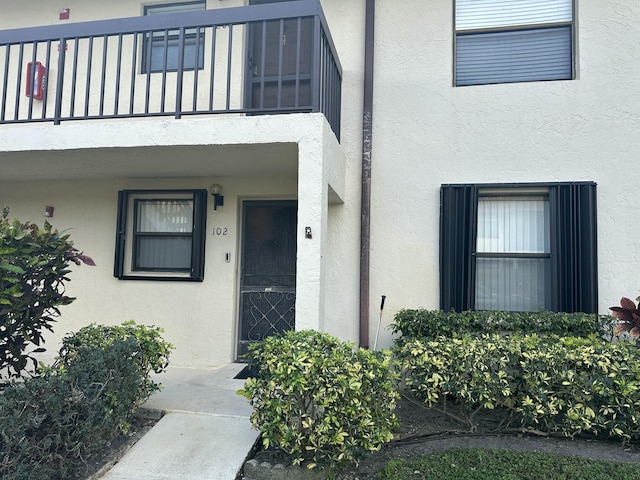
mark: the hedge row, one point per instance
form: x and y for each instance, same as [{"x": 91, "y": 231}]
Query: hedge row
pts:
[
  {"x": 52, "y": 423},
  {"x": 422, "y": 323},
  {"x": 553, "y": 384}
]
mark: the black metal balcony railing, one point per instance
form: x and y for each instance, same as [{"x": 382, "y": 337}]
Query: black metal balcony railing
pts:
[{"x": 261, "y": 59}]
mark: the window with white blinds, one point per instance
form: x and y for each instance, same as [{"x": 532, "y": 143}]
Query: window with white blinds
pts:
[
  {"x": 513, "y": 267},
  {"x": 519, "y": 247},
  {"x": 503, "y": 41},
  {"x": 161, "y": 235}
]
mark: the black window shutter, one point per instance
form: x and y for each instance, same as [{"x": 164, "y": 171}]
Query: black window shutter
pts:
[
  {"x": 574, "y": 247},
  {"x": 121, "y": 225},
  {"x": 458, "y": 219},
  {"x": 199, "y": 234}
]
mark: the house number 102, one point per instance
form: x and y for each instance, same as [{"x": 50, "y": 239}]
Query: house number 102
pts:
[{"x": 220, "y": 231}]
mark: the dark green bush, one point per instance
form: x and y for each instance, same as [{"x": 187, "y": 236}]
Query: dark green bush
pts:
[
  {"x": 51, "y": 424},
  {"x": 33, "y": 269},
  {"x": 422, "y": 323},
  {"x": 561, "y": 385},
  {"x": 148, "y": 352},
  {"x": 319, "y": 399}
]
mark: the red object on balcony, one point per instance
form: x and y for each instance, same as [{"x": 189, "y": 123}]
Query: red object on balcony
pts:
[{"x": 36, "y": 79}]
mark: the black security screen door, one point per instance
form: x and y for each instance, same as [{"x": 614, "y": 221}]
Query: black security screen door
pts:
[{"x": 268, "y": 271}]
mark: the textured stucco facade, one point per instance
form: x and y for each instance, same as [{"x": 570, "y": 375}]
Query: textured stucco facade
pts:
[
  {"x": 426, "y": 133},
  {"x": 583, "y": 129}
]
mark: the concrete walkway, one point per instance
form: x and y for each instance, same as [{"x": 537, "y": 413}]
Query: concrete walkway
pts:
[{"x": 205, "y": 434}]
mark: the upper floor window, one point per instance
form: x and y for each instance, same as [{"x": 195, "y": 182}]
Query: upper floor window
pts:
[
  {"x": 161, "y": 49},
  {"x": 505, "y": 41},
  {"x": 161, "y": 234}
]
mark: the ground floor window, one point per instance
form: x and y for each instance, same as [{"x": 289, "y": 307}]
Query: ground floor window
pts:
[
  {"x": 161, "y": 234},
  {"x": 522, "y": 247}
]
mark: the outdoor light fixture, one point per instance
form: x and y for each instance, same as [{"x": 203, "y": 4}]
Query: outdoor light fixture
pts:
[{"x": 218, "y": 199}]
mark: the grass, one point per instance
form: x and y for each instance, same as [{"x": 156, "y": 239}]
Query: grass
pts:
[{"x": 493, "y": 464}]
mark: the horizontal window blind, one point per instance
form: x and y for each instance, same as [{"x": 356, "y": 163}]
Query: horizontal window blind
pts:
[
  {"x": 477, "y": 14},
  {"x": 516, "y": 56}
]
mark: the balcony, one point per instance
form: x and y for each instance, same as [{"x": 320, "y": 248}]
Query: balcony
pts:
[{"x": 263, "y": 59}]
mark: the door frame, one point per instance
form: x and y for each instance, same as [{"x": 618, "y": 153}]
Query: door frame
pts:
[{"x": 242, "y": 202}]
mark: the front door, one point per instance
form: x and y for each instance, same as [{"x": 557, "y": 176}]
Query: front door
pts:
[
  {"x": 279, "y": 73},
  {"x": 268, "y": 270}
]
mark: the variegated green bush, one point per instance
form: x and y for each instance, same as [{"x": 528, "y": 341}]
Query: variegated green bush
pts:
[
  {"x": 552, "y": 384},
  {"x": 319, "y": 399}
]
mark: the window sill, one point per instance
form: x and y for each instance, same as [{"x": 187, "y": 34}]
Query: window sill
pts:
[{"x": 162, "y": 278}]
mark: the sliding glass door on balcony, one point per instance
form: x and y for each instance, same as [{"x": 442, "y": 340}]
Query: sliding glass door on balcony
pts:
[{"x": 279, "y": 63}]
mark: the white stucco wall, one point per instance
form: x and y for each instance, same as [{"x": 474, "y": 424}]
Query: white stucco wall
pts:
[
  {"x": 427, "y": 132},
  {"x": 342, "y": 303},
  {"x": 79, "y": 168},
  {"x": 199, "y": 318},
  {"x": 18, "y": 14}
]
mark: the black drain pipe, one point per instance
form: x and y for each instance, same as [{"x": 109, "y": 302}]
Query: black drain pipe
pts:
[{"x": 367, "y": 138}]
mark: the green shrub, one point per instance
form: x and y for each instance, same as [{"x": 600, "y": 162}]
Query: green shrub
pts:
[
  {"x": 478, "y": 373},
  {"x": 320, "y": 400},
  {"x": 148, "y": 352},
  {"x": 51, "y": 424},
  {"x": 561, "y": 385},
  {"x": 433, "y": 323},
  {"x": 33, "y": 269}
]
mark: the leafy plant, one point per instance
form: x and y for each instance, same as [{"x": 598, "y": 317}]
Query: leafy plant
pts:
[
  {"x": 628, "y": 315},
  {"x": 320, "y": 400},
  {"x": 146, "y": 351},
  {"x": 34, "y": 265},
  {"x": 552, "y": 384},
  {"x": 420, "y": 323},
  {"x": 51, "y": 424}
]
